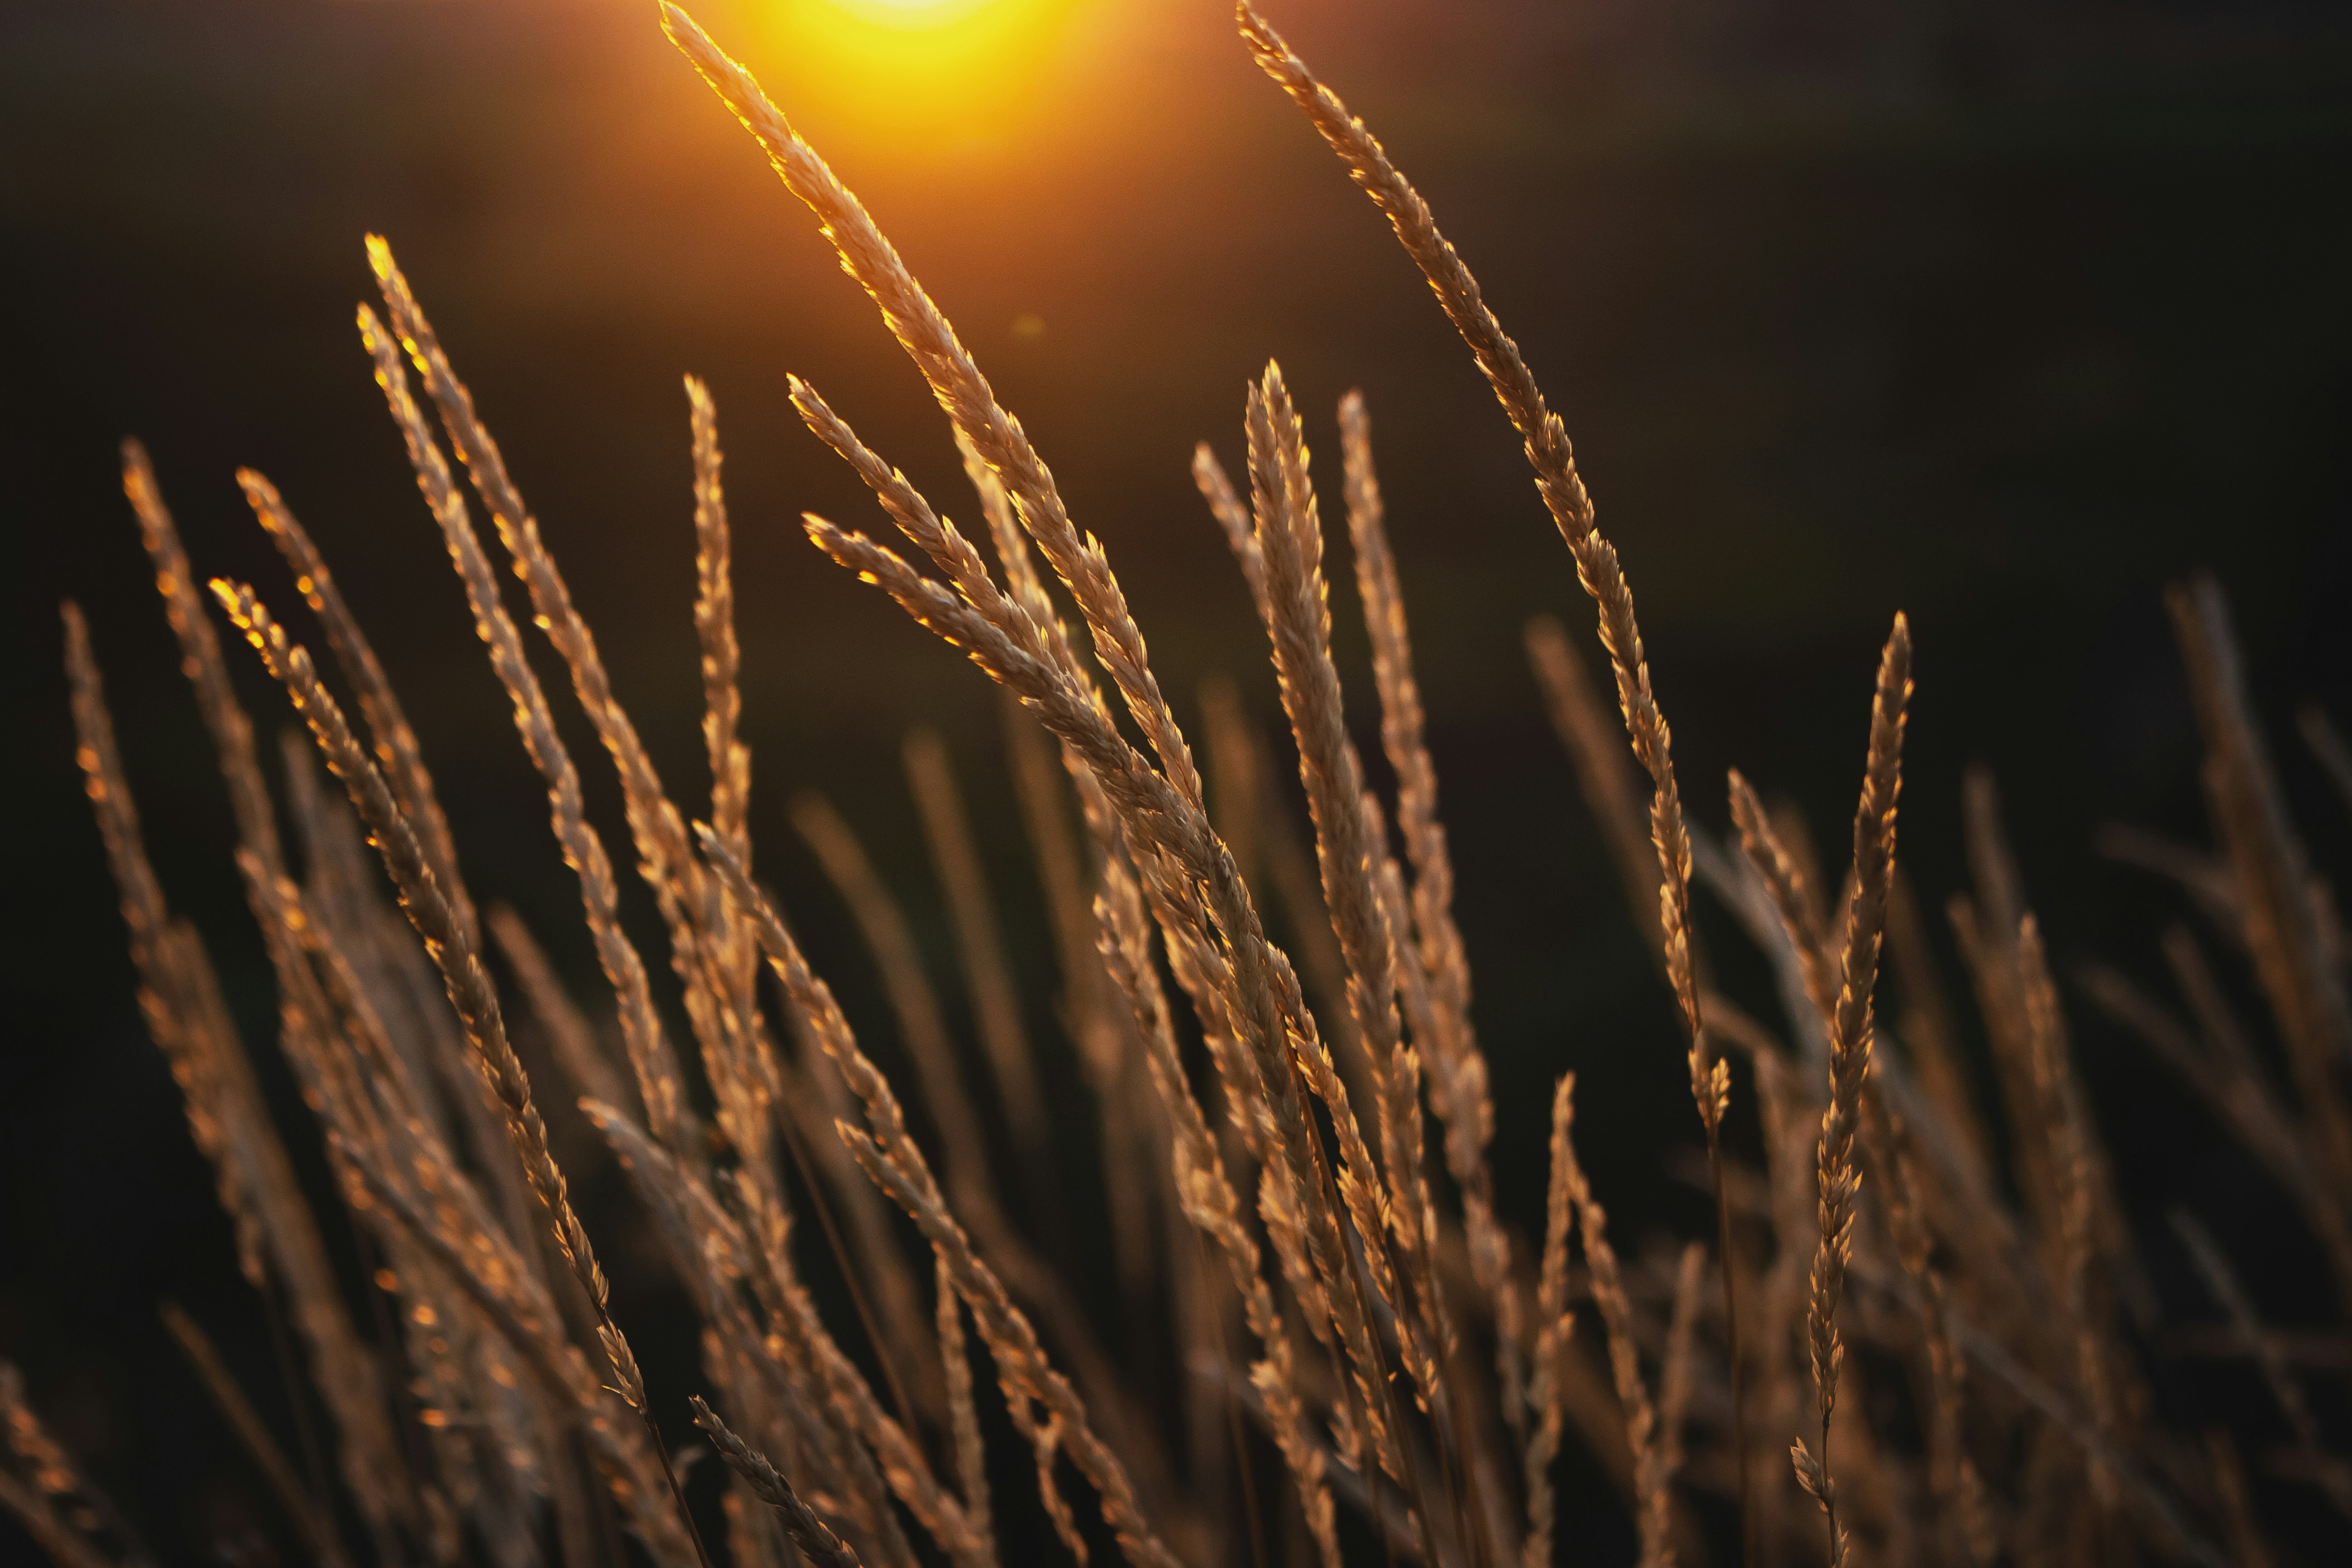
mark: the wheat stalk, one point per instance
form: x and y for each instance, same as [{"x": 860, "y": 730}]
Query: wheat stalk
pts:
[{"x": 1850, "y": 1025}]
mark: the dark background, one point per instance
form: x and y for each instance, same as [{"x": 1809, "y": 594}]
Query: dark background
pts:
[{"x": 2003, "y": 316}]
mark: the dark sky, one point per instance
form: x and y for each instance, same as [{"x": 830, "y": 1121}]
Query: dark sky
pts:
[{"x": 2001, "y": 319}]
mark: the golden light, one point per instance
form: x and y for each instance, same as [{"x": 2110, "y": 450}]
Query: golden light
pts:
[
  {"x": 912, "y": 16},
  {"x": 916, "y": 70}
]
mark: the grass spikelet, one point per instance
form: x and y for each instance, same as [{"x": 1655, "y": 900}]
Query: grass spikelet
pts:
[
  {"x": 1564, "y": 495},
  {"x": 808, "y": 1533},
  {"x": 1461, "y": 1097},
  {"x": 1290, "y": 540},
  {"x": 396, "y": 749},
  {"x": 1651, "y": 1481},
  {"x": 656, "y": 1065},
  {"x": 1840, "y": 1175},
  {"x": 960, "y": 389},
  {"x": 963, "y": 1416},
  {"x": 1554, "y": 1323}
]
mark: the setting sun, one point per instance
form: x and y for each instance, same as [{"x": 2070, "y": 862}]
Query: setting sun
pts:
[
  {"x": 913, "y": 69},
  {"x": 912, "y": 15}
]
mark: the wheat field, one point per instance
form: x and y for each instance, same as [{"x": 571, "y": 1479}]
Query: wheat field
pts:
[{"x": 1920, "y": 1329}]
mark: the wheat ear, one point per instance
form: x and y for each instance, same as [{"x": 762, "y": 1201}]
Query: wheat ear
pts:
[
  {"x": 396, "y": 749},
  {"x": 463, "y": 975},
  {"x": 1164, "y": 810},
  {"x": 1564, "y": 496},
  {"x": 1463, "y": 1100},
  {"x": 655, "y": 1063},
  {"x": 959, "y": 388},
  {"x": 1651, "y": 1497},
  {"x": 1554, "y": 1323},
  {"x": 1840, "y": 1174},
  {"x": 806, "y": 1531},
  {"x": 1290, "y": 542}
]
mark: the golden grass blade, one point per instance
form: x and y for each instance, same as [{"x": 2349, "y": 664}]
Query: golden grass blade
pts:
[
  {"x": 1554, "y": 1323},
  {"x": 650, "y": 1054},
  {"x": 963, "y": 1416},
  {"x": 1460, "y": 1098},
  {"x": 1850, "y": 1045},
  {"x": 714, "y": 625},
  {"x": 1233, "y": 517},
  {"x": 807, "y": 1532},
  {"x": 1651, "y": 1489},
  {"x": 1095, "y": 1023},
  {"x": 732, "y": 961},
  {"x": 397, "y": 749},
  {"x": 659, "y": 831},
  {"x": 469, "y": 984},
  {"x": 2074, "y": 1248},
  {"x": 1290, "y": 540},
  {"x": 959, "y": 386},
  {"x": 1563, "y": 491},
  {"x": 1250, "y": 814}
]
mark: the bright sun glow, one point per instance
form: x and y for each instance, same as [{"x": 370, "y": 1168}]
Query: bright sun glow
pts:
[
  {"x": 924, "y": 72},
  {"x": 910, "y": 14}
]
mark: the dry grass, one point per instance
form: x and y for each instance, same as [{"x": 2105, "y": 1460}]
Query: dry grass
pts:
[{"x": 1960, "y": 1378}]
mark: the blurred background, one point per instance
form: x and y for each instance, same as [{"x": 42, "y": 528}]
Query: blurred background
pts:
[{"x": 2002, "y": 315}]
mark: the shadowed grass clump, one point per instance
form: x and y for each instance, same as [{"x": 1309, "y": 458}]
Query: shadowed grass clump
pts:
[{"x": 1936, "y": 1308}]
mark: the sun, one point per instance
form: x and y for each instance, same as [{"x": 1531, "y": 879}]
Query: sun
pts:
[
  {"x": 921, "y": 73},
  {"x": 908, "y": 15}
]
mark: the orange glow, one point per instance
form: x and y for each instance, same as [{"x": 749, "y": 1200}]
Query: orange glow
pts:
[
  {"x": 912, "y": 69},
  {"x": 910, "y": 14}
]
